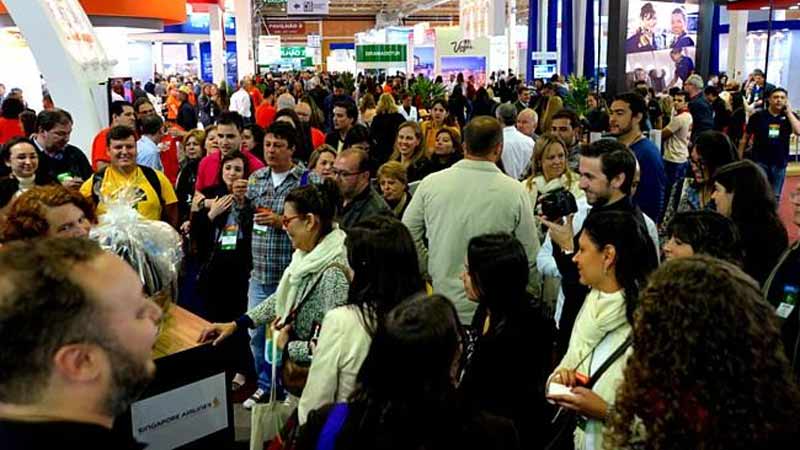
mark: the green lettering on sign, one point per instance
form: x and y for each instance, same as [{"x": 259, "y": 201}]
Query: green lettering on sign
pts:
[
  {"x": 381, "y": 53},
  {"x": 293, "y": 52}
]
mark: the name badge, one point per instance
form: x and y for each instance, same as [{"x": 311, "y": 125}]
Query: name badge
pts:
[
  {"x": 774, "y": 131},
  {"x": 260, "y": 230},
  {"x": 784, "y": 309},
  {"x": 227, "y": 239}
]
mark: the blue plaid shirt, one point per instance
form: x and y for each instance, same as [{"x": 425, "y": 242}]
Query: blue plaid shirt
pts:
[{"x": 272, "y": 249}]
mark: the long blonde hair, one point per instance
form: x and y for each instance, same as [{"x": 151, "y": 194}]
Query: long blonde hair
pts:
[
  {"x": 419, "y": 151},
  {"x": 554, "y": 105},
  {"x": 542, "y": 144},
  {"x": 386, "y": 104}
]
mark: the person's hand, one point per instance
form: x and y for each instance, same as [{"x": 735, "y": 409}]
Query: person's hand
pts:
[
  {"x": 239, "y": 190},
  {"x": 73, "y": 183},
  {"x": 217, "y": 332},
  {"x": 280, "y": 333},
  {"x": 563, "y": 376},
  {"x": 198, "y": 201},
  {"x": 561, "y": 233},
  {"x": 268, "y": 218},
  {"x": 584, "y": 401},
  {"x": 220, "y": 205},
  {"x": 186, "y": 227}
]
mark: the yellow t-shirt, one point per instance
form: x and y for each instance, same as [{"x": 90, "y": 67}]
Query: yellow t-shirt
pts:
[{"x": 113, "y": 181}]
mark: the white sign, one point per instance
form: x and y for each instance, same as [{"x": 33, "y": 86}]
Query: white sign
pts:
[
  {"x": 182, "y": 415},
  {"x": 307, "y": 7},
  {"x": 269, "y": 49},
  {"x": 451, "y": 42},
  {"x": 314, "y": 41},
  {"x": 544, "y": 56}
]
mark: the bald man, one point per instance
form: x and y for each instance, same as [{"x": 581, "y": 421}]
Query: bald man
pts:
[{"x": 527, "y": 121}]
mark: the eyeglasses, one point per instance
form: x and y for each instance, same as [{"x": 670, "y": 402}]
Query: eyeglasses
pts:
[
  {"x": 342, "y": 173},
  {"x": 287, "y": 220}
]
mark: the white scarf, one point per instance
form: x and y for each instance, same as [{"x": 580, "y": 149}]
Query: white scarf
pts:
[{"x": 305, "y": 264}]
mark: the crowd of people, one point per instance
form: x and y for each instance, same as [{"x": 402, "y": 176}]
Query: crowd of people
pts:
[{"x": 476, "y": 270}]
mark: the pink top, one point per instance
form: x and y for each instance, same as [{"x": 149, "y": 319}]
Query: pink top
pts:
[{"x": 208, "y": 172}]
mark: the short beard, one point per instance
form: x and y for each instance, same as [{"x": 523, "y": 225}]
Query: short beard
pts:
[{"x": 129, "y": 378}]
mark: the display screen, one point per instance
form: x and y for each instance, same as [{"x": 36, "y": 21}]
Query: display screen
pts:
[{"x": 660, "y": 43}]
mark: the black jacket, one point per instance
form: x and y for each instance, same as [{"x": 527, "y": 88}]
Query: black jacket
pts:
[
  {"x": 10, "y": 185},
  {"x": 187, "y": 117},
  {"x": 70, "y": 160},
  {"x": 426, "y": 166},
  {"x": 56, "y": 435},
  {"x": 184, "y": 189},
  {"x": 366, "y": 204},
  {"x": 383, "y": 132}
]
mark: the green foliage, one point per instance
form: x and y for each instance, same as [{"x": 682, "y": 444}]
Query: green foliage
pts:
[
  {"x": 578, "y": 95},
  {"x": 349, "y": 82},
  {"x": 426, "y": 91}
]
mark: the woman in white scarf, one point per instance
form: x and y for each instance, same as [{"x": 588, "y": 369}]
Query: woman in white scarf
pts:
[
  {"x": 317, "y": 275},
  {"x": 614, "y": 257}
]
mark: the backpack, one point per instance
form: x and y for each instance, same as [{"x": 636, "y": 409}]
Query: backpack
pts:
[{"x": 149, "y": 174}]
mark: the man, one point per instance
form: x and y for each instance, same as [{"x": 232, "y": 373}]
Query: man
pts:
[
  {"x": 59, "y": 160},
  {"x": 781, "y": 290},
  {"x": 122, "y": 114},
  {"x": 760, "y": 91},
  {"x": 285, "y": 101},
  {"x": 169, "y": 156},
  {"x": 87, "y": 361},
  {"x": 527, "y": 121},
  {"x": 607, "y": 172},
  {"x": 267, "y": 189},
  {"x": 523, "y": 98},
  {"x": 675, "y": 140},
  {"x": 319, "y": 94},
  {"x": 517, "y": 148},
  {"x": 684, "y": 67},
  {"x": 303, "y": 111},
  {"x": 566, "y": 125},
  {"x": 351, "y": 169},
  {"x": 407, "y": 110},
  {"x": 241, "y": 103},
  {"x": 626, "y": 114},
  {"x": 770, "y": 131},
  {"x": 702, "y": 114},
  {"x": 158, "y": 200},
  {"x": 255, "y": 94},
  {"x": 345, "y": 114},
  {"x": 722, "y": 116},
  {"x": 229, "y": 138},
  {"x": 147, "y": 151},
  {"x": 265, "y": 113},
  {"x": 471, "y": 198},
  {"x": 142, "y": 107},
  {"x": 332, "y": 100},
  {"x": 187, "y": 116},
  {"x": 680, "y": 38}
]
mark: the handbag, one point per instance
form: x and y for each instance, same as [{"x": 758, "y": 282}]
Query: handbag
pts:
[
  {"x": 293, "y": 374},
  {"x": 565, "y": 420},
  {"x": 268, "y": 419}
]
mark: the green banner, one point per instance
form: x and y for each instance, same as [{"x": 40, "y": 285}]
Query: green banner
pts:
[
  {"x": 293, "y": 52},
  {"x": 381, "y": 53},
  {"x": 307, "y": 62}
]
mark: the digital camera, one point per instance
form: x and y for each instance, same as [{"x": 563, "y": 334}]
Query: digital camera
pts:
[{"x": 557, "y": 204}]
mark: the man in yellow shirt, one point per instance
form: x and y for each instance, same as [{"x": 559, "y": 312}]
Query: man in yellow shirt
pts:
[{"x": 158, "y": 202}]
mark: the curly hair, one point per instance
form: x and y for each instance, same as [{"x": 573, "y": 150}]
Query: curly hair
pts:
[
  {"x": 27, "y": 218},
  {"x": 708, "y": 369}
]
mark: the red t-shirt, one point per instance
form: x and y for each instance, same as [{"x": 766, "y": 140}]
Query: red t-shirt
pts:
[
  {"x": 317, "y": 137},
  {"x": 100, "y": 149},
  {"x": 265, "y": 115},
  {"x": 169, "y": 158},
  {"x": 208, "y": 171},
  {"x": 256, "y": 97},
  {"x": 9, "y": 129}
]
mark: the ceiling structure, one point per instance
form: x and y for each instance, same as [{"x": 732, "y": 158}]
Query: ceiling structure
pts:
[{"x": 413, "y": 10}]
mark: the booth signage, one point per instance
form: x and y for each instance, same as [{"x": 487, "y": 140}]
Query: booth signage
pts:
[
  {"x": 544, "y": 56},
  {"x": 269, "y": 49},
  {"x": 381, "y": 53},
  {"x": 293, "y": 52},
  {"x": 173, "y": 418},
  {"x": 286, "y": 27},
  {"x": 450, "y": 41},
  {"x": 461, "y": 45},
  {"x": 314, "y": 41},
  {"x": 307, "y": 7}
]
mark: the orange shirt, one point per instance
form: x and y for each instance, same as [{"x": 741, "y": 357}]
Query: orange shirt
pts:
[
  {"x": 173, "y": 105},
  {"x": 169, "y": 157},
  {"x": 256, "y": 97},
  {"x": 9, "y": 129},
  {"x": 265, "y": 114},
  {"x": 100, "y": 149}
]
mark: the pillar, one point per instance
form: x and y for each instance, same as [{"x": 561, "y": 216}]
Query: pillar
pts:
[
  {"x": 244, "y": 38},
  {"x": 217, "y": 37},
  {"x": 737, "y": 43}
]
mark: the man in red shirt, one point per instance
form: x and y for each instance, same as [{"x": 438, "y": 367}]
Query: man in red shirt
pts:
[
  {"x": 265, "y": 113},
  {"x": 229, "y": 135},
  {"x": 122, "y": 113}
]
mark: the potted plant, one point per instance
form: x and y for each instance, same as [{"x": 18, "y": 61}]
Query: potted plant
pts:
[
  {"x": 578, "y": 95},
  {"x": 424, "y": 91}
]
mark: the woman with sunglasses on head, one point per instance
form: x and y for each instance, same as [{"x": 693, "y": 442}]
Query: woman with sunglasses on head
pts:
[{"x": 315, "y": 281}]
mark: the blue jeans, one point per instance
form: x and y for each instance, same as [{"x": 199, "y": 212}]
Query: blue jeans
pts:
[
  {"x": 674, "y": 171},
  {"x": 256, "y": 294},
  {"x": 776, "y": 176}
]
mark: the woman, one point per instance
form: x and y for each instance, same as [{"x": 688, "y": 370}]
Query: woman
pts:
[
  {"x": 509, "y": 323},
  {"x": 711, "y": 151},
  {"x": 483, "y": 104},
  {"x": 383, "y": 130},
  {"x": 742, "y": 193},
  {"x": 10, "y": 125},
  {"x": 597, "y": 116},
  {"x": 253, "y": 140},
  {"x": 439, "y": 119},
  {"x": 321, "y": 162},
  {"x": 703, "y": 232},
  {"x": 304, "y": 144},
  {"x": 317, "y": 116},
  {"x": 393, "y": 182},
  {"x": 222, "y": 233},
  {"x": 549, "y": 107},
  {"x": 48, "y": 211},
  {"x": 211, "y": 140},
  {"x": 366, "y": 109},
  {"x": 314, "y": 283},
  {"x": 446, "y": 153},
  {"x": 385, "y": 271},
  {"x": 408, "y": 146},
  {"x": 614, "y": 257},
  {"x": 208, "y": 109},
  {"x": 406, "y": 393},
  {"x": 736, "y": 127},
  {"x": 730, "y": 388},
  {"x": 19, "y": 155},
  {"x": 193, "y": 152},
  {"x": 457, "y": 106}
]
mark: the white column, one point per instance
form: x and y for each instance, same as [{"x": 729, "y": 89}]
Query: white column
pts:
[
  {"x": 579, "y": 25},
  {"x": 737, "y": 44},
  {"x": 542, "y": 27},
  {"x": 244, "y": 37},
  {"x": 158, "y": 56},
  {"x": 217, "y": 37}
]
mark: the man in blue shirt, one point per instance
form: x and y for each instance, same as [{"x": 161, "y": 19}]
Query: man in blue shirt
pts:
[
  {"x": 699, "y": 108},
  {"x": 147, "y": 151},
  {"x": 625, "y": 116}
]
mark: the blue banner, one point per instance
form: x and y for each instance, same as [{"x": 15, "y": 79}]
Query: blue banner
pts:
[
  {"x": 206, "y": 70},
  {"x": 232, "y": 66},
  {"x": 198, "y": 23}
]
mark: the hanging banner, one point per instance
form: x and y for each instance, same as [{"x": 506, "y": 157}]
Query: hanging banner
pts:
[
  {"x": 379, "y": 53},
  {"x": 314, "y": 41},
  {"x": 269, "y": 49},
  {"x": 307, "y": 7},
  {"x": 451, "y": 42},
  {"x": 293, "y": 52},
  {"x": 286, "y": 28}
]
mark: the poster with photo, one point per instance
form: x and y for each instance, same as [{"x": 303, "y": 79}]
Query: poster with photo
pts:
[
  {"x": 661, "y": 42},
  {"x": 469, "y": 66}
]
